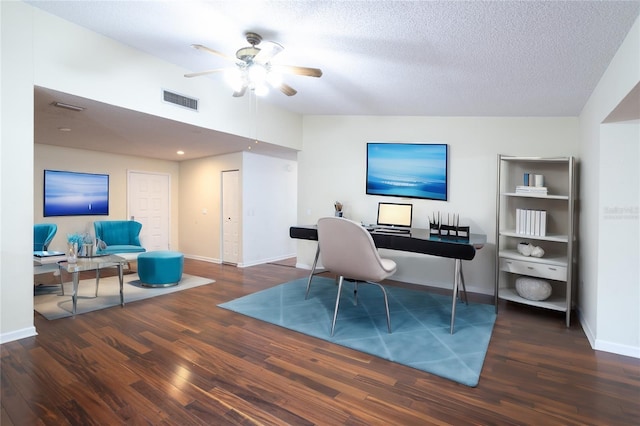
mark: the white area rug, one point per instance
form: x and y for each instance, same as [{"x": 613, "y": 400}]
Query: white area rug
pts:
[{"x": 53, "y": 306}]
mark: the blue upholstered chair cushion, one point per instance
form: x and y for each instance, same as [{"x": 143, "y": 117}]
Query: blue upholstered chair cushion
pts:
[
  {"x": 43, "y": 233},
  {"x": 120, "y": 236}
]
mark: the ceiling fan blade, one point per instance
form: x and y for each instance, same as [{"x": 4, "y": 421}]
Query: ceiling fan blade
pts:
[
  {"x": 240, "y": 92},
  {"x": 287, "y": 90},
  {"x": 213, "y": 52},
  {"x": 197, "y": 74},
  {"x": 291, "y": 69},
  {"x": 267, "y": 51}
]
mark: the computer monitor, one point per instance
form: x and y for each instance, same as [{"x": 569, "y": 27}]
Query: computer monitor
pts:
[{"x": 395, "y": 214}]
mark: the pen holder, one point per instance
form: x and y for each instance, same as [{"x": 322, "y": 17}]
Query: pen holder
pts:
[
  {"x": 447, "y": 230},
  {"x": 434, "y": 228},
  {"x": 462, "y": 232}
]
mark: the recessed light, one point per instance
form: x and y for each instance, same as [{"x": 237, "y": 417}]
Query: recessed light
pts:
[
  {"x": 180, "y": 152},
  {"x": 64, "y": 129}
]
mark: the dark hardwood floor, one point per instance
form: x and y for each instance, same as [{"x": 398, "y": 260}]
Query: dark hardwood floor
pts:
[{"x": 180, "y": 360}]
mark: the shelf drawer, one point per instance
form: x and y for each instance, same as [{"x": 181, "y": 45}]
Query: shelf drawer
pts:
[{"x": 534, "y": 269}]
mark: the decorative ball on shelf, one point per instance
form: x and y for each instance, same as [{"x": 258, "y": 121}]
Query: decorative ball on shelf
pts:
[
  {"x": 525, "y": 249},
  {"x": 533, "y": 288},
  {"x": 537, "y": 252}
]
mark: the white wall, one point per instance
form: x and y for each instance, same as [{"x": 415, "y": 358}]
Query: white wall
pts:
[
  {"x": 16, "y": 172},
  {"x": 116, "y": 166},
  {"x": 200, "y": 190},
  {"x": 268, "y": 207},
  {"x": 332, "y": 168},
  {"x": 71, "y": 59},
  {"x": 600, "y": 321},
  {"x": 269, "y": 201},
  {"x": 39, "y": 49},
  {"x": 619, "y": 275}
]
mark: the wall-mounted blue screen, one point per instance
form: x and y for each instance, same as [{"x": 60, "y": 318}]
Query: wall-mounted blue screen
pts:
[
  {"x": 413, "y": 170},
  {"x": 75, "y": 194}
]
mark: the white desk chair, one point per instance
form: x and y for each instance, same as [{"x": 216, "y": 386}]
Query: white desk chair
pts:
[{"x": 349, "y": 251}]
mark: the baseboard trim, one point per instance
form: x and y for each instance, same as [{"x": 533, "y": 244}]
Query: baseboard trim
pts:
[
  {"x": 605, "y": 346},
  {"x": 18, "y": 334},
  {"x": 202, "y": 258},
  {"x": 616, "y": 348}
]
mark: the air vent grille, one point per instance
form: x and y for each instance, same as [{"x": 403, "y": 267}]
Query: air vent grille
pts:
[{"x": 180, "y": 100}]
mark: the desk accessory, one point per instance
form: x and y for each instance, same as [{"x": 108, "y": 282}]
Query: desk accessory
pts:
[
  {"x": 49, "y": 253},
  {"x": 451, "y": 229},
  {"x": 338, "y": 207}
]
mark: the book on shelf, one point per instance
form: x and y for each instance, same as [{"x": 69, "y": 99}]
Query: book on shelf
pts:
[
  {"x": 543, "y": 223},
  {"x": 539, "y": 190},
  {"x": 531, "y": 222}
]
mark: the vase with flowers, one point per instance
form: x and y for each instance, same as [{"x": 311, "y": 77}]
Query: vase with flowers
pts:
[{"x": 74, "y": 241}]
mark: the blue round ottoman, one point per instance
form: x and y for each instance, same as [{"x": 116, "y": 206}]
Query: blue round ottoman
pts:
[{"x": 160, "y": 268}]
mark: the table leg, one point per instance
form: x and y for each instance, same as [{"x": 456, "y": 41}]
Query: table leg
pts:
[
  {"x": 464, "y": 288},
  {"x": 74, "y": 297},
  {"x": 456, "y": 283},
  {"x": 120, "y": 276},
  {"x": 313, "y": 268},
  {"x": 97, "y": 280}
]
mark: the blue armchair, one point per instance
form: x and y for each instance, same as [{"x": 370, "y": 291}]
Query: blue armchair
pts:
[
  {"x": 118, "y": 236},
  {"x": 43, "y": 233}
]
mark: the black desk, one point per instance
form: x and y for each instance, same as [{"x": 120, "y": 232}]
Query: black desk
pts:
[{"x": 416, "y": 241}]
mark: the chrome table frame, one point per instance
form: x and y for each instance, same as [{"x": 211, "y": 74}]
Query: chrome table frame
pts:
[{"x": 95, "y": 263}]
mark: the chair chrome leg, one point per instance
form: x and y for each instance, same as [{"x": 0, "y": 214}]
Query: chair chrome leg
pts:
[
  {"x": 386, "y": 305},
  {"x": 313, "y": 269},
  {"x": 335, "y": 313}
]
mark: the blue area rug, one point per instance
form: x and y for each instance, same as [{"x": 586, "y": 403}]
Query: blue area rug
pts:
[{"x": 420, "y": 321}]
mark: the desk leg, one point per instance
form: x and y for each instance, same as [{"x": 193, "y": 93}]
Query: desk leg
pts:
[
  {"x": 456, "y": 283},
  {"x": 121, "y": 277},
  {"x": 464, "y": 288},
  {"x": 313, "y": 269},
  {"x": 74, "y": 296}
]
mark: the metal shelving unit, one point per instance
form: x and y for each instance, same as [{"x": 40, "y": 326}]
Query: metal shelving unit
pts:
[{"x": 558, "y": 264}]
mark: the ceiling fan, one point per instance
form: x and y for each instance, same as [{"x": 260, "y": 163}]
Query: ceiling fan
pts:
[{"x": 254, "y": 70}]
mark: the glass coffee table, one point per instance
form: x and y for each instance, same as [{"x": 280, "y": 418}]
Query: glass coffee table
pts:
[{"x": 95, "y": 263}]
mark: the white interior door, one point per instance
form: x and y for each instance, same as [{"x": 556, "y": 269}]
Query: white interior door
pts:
[
  {"x": 148, "y": 203},
  {"x": 230, "y": 216}
]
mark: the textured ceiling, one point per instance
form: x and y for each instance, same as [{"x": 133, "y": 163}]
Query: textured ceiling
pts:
[{"x": 437, "y": 58}]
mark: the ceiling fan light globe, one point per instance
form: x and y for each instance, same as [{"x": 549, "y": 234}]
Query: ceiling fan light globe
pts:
[
  {"x": 261, "y": 90},
  {"x": 274, "y": 79},
  {"x": 234, "y": 79},
  {"x": 257, "y": 74}
]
